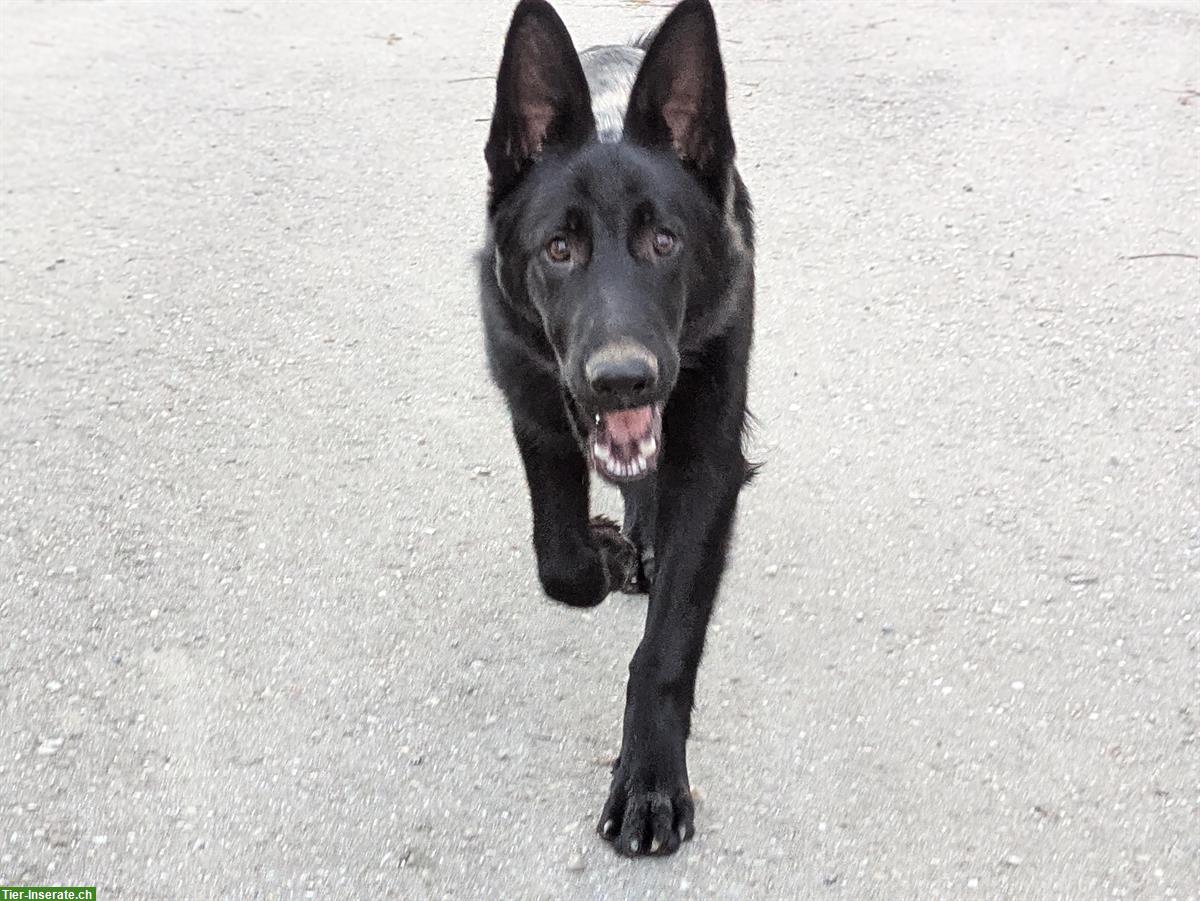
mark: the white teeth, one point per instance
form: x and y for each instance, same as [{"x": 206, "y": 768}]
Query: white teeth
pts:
[
  {"x": 613, "y": 465},
  {"x": 648, "y": 446}
]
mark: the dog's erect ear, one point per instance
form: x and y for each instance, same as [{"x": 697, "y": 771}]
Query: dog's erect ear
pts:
[
  {"x": 542, "y": 98},
  {"x": 678, "y": 100}
]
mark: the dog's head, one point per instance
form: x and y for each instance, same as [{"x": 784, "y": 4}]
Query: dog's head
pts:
[{"x": 611, "y": 246}]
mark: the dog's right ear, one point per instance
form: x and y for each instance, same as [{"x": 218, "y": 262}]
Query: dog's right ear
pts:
[{"x": 542, "y": 98}]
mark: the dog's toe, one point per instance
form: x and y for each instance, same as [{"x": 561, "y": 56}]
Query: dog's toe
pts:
[
  {"x": 642, "y": 822},
  {"x": 618, "y": 554}
]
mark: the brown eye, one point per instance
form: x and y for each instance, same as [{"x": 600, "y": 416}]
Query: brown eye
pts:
[
  {"x": 664, "y": 243},
  {"x": 558, "y": 249}
]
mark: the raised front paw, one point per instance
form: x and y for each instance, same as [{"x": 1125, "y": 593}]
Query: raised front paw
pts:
[
  {"x": 618, "y": 555},
  {"x": 583, "y": 570},
  {"x": 647, "y": 812}
]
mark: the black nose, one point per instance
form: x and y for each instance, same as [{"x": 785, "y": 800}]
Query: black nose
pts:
[{"x": 622, "y": 374}]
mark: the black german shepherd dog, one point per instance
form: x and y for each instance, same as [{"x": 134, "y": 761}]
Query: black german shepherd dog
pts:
[{"x": 617, "y": 292}]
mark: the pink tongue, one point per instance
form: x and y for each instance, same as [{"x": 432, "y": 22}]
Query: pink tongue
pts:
[{"x": 627, "y": 426}]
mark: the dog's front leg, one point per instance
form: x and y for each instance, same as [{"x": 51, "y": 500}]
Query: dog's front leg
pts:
[
  {"x": 649, "y": 808},
  {"x": 580, "y": 560}
]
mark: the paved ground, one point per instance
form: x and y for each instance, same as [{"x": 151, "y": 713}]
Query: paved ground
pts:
[{"x": 268, "y": 615}]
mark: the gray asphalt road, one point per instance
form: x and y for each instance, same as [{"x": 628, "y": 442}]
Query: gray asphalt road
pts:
[{"x": 269, "y": 625}]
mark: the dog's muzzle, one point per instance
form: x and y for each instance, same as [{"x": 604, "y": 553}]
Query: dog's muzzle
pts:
[{"x": 626, "y": 435}]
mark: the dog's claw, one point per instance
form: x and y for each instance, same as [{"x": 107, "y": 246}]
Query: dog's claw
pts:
[
  {"x": 607, "y": 828},
  {"x": 651, "y": 819}
]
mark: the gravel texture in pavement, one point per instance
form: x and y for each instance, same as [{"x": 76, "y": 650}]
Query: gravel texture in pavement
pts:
[{"x": 269, "y": 621}]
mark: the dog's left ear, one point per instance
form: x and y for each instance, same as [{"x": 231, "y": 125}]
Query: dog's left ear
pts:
[
  {"x": 542, "y": 98},
  {"x": 678, "y": 99}
]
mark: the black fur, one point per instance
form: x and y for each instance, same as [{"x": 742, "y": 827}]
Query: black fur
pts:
[{"x": 689, "y": 307}]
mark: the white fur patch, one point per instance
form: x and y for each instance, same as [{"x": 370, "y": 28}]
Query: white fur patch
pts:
[{"x": 610, "y": 73}]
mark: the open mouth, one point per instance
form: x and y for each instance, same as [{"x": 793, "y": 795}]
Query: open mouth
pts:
[{"x": 624, "y": 444}]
